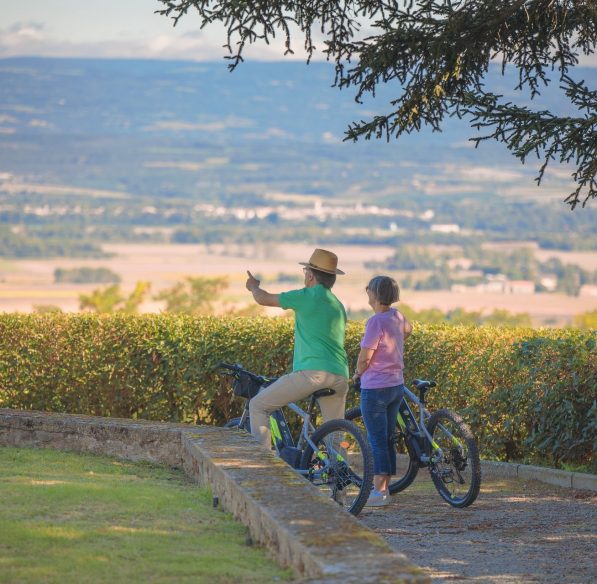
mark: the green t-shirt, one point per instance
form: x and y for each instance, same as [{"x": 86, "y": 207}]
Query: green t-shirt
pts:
[{"x": 320, "y": 322}]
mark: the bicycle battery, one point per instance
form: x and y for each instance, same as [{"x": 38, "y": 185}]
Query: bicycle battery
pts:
[
  {"x": 291, "y": 455},
  {"x": 415, "y": 440}
]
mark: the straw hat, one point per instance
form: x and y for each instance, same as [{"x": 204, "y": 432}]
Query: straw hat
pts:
[{"x": 323, "y": 261}]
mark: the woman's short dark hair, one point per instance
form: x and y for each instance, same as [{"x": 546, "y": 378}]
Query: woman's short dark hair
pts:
[
  {"x": 326, "y": 280},
  {"x": 385, "y": 289}
]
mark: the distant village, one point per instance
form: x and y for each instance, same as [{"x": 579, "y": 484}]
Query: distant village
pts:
[
  {"x": 500, "y": 284},
  {"x": 300, "y": 208},
  {"x": 318, "y": 210}
]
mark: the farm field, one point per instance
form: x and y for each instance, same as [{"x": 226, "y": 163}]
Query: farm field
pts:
[{"x": 25, "y": 284}]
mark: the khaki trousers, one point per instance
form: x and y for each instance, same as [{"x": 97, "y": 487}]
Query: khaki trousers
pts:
[{"x": 293, "y": 387}]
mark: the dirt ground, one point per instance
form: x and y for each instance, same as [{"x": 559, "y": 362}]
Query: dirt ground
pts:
[{"x": 516, "y": 532}]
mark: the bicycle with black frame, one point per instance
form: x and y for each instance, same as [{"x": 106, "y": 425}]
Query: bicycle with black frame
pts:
[
  {"x": 441, "y": 442},
  {"x": 335, "y": 457}
]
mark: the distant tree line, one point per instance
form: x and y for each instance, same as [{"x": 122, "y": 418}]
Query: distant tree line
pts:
[
  {"x": 85, "y": 275},
  {"x": 457, "y": 316},
  {"x": 519, "y": 264},
  {"x": 80, "y": 231},
  {"x": 16, "y": 245}
]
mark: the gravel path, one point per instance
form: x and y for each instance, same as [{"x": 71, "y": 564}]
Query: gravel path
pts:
[{"x": 515, "y": 532}]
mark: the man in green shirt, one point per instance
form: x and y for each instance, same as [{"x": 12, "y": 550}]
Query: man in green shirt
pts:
[{"x": 319, "y": 357}]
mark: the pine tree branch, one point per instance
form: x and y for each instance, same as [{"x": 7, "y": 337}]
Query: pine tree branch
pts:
[
  {"x": 438, "y": 52},
  {"x": 565, "y": 139}
]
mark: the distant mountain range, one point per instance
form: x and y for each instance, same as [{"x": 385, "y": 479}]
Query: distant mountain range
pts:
[
  {"x": 195, "y": 130},
  {"x": 117, "y": 150}
]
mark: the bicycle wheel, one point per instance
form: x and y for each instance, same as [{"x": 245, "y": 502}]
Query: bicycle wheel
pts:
[
  {"x": 407, "y": 465},
  {"x": 457, "y": 474},
  {"x": 235, "y": 422},
  {"x": 342, "y": 464}
]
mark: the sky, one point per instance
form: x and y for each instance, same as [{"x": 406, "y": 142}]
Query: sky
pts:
[
  {"x": 119, "y": 29},
  {"x": 110, "y": 28}
]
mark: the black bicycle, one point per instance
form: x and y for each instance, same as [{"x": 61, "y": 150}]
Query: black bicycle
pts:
[
  {"x": 441, "y": 442},
  {"x": 336, "y": 457}
]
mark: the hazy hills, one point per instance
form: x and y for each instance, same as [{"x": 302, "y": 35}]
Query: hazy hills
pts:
[
  {"x": 163, "y": 132},
  {"x": 108, "y": 122}
]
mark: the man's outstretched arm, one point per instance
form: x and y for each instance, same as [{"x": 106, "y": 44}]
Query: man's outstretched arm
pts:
[{"x": 261, "y": 296}]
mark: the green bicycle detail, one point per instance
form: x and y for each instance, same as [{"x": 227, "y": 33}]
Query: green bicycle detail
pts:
[
  {"x": 441, "y": 442},
  {"x": 335, "y": 457}
]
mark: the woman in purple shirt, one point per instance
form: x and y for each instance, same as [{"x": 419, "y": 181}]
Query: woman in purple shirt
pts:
[{"x": 379, "y": 368}]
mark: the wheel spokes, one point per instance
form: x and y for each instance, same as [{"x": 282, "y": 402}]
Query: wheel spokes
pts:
[
  {"x": 335, "y": 466},
  {"x": 452, "y": 467}
]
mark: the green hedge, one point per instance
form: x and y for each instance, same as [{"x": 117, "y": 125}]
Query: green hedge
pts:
[{"x": 528, "y": 394}]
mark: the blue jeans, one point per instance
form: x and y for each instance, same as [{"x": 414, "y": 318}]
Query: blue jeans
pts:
[{"x": 380, "y": 410}]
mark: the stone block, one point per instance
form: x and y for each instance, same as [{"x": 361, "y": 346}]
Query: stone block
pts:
[
  {"x": 552, "y": 476},
  {"x": 585, "y": 481},
  {"x": 502, "y": 470}
]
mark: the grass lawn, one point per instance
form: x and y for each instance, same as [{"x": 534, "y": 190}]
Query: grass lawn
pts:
[{"x": 67, "y": 517}]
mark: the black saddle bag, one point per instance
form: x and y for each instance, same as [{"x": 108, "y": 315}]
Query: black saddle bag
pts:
[{"x": 245, "y": 386}]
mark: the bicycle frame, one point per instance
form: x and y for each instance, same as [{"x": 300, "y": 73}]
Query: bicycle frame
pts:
[
  {"x": 282, "y": 438},
  {"x": 280, "y": 433},
  {"x": 407, "y": 423}
]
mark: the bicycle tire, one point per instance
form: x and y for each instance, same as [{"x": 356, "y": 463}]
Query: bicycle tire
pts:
[
  {"x": 407, "y": 465},
  {"x": 457, "y": 476},
  {"x": 235, "y": 423},
  {"x": 346, "y": 477}
]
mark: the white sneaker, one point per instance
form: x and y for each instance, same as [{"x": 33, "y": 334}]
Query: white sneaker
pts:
[{"x": 378, "y": 499}]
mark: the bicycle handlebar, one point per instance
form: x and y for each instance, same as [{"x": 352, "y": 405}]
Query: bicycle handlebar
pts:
[
  {"x": 223, "y": 365},
  {"x": 238, "y": 369},
  {"x": 425, "y": 383}
]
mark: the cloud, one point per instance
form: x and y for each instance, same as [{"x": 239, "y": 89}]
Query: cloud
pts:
[
  {"x": 27, "y": 31},
  {"x": 26, "y": 36},
  {"x": 587, "y": 60},
  {"x": 31, "y": 38},
  {"x": 34, "y": 38}
]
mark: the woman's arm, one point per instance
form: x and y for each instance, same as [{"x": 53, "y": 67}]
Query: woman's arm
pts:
[
  {"x": 365, "y": 356},
  {"x": 408, "y": 328}
]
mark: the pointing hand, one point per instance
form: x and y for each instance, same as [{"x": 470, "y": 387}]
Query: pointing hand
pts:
[{"x": 252, "y": 282}]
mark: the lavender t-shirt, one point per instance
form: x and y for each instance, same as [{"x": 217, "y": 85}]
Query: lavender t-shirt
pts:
[{"x": 384, "y": 332}]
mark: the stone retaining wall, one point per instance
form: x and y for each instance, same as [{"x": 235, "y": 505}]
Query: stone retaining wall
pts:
[
  {"x": 552, "y": 476},
  {"x": 301, "y": 527}
]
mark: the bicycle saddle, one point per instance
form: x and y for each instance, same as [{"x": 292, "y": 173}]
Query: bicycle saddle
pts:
[
  {"x": 422, "y": 384},
  {"x": 323, "y": 392}
]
